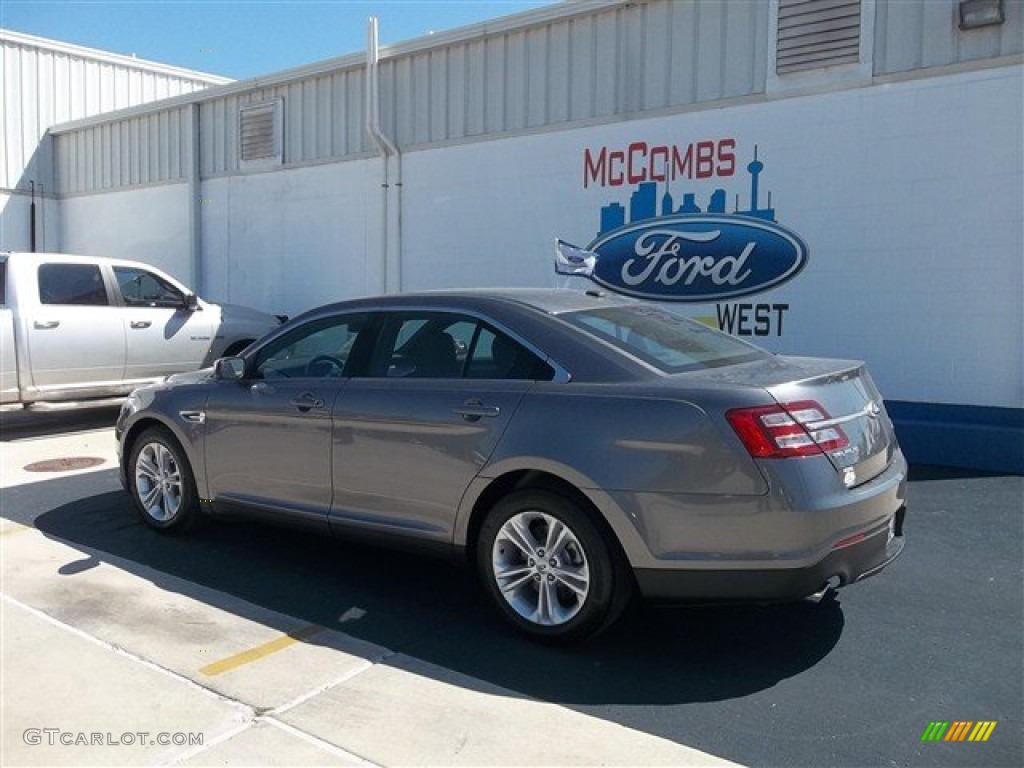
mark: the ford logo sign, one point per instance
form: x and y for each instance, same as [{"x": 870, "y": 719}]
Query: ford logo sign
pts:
[{"x": 696, "y": 258}]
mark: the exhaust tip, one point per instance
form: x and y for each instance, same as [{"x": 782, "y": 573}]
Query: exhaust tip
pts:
[{"x": 831, "y": 585}]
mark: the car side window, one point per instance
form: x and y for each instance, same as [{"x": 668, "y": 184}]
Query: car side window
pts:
[
  {"x": 496, "y": 356},
  {"x": 140, "y": 288},
  {"x": 417, "y": 345},
  {"x": 320, "y": 349},
  {"x": 72, "y": 284},
  {"x": 441, "y": 345}
]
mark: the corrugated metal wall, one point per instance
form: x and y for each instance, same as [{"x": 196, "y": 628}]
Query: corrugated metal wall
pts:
[
  {"x": 624, "y": 60},
  {"x": 44, "y": 82},
  {"x": 635, "y": 58},
  {"x": 141, "y": 150},
  {"x": 574, "y": 64},
  {"x": 915, "y": 35},
  {"x": 323, "y": 119}
]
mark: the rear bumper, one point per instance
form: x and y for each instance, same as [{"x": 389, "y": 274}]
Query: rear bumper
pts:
[{"x": 847, "y": 564}]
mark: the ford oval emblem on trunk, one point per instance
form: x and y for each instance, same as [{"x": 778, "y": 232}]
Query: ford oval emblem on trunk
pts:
[{"x": 696, "y": 258}]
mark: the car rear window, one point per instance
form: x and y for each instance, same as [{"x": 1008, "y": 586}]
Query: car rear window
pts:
[{"x": 669, "y": 342}]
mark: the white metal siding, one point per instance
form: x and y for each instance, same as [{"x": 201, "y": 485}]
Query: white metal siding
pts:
[
  {"x": 44, "y": 82},
  {"x": 140, "y": 150},
  {"x": 625, "y": 60},
  {"x": 322, "y": 116},
  {"x": 914, "y": 35},
  {"x": 580, "y": 62}
]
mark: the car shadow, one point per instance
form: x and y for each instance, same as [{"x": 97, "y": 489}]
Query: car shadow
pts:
[
  {"x": 433, "y": 611},
  {"x": 25, "y": 424}
]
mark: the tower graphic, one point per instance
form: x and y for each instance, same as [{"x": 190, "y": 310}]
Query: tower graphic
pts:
[{"x": 755, "y": 167}]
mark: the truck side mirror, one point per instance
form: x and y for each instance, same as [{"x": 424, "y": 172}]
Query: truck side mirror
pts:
[
  {"x": 229, "y": 369},
  {"x": 191, "y": 302}
]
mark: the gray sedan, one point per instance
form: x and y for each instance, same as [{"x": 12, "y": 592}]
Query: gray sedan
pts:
[{"x": 576, "y": 447}]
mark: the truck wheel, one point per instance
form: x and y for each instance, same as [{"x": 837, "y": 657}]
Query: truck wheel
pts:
[
  {"x": 161, "y": 482},
  {"x": 237, "y": 347},
  {"x": 548, "y": 569}
]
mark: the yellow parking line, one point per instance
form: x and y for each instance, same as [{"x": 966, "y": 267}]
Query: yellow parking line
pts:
[{"x": 257, "y": 653}]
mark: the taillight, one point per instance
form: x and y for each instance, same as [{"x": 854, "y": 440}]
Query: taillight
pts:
[{"x": 780, "y": 431}]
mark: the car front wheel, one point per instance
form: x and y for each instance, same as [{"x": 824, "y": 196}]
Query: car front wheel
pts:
[
  {"x": 161, "y": 482},
  {"x": 548, "y": 569}
]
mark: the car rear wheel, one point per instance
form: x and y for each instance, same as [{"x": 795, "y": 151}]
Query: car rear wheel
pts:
[
  {"x": 161, "y": 482},
  {"x": 548, "y": 569}
]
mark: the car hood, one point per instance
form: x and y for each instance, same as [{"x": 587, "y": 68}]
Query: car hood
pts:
[
  {"x": 246, "y": 314},
  {"x": 190, "y": 377}
]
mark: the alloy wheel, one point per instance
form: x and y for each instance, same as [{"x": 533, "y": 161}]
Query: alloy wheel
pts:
[
  {"x": 540, "y": 568},
  {"x": 158, "y": 482}
]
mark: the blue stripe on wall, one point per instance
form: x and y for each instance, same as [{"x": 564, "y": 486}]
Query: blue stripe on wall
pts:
[{"x": 971, "y": 436}]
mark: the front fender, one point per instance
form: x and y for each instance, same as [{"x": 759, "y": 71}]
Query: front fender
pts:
[{"x": 145, "y": 409}]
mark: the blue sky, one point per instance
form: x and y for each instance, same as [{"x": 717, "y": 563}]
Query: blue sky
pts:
[{"x": 242, "y": 38}]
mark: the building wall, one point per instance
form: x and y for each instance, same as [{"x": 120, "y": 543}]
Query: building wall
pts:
[
  {"x": 149, "y": 224},
  {"x": 293, "y": 240},
  {"x": 902, "y": 171},
  {"x": 917, "y": 35},
  {"x": 915, "y": 250},
  {"x": 45, "y": 82}
]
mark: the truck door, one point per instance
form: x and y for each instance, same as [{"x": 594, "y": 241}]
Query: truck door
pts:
[
  {"x": 162, "y": 336},
  {"x": 75, "y": 335},
  {"x": 8, "y": 359}
]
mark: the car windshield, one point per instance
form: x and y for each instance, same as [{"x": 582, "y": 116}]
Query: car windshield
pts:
[{"x": 667, "y": 341}]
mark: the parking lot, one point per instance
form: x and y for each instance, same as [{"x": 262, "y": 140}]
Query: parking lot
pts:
[{"x": 284, "y": 648}]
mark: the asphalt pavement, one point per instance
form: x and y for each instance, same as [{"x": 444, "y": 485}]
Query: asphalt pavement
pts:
[{"x": 853, "y": 681}]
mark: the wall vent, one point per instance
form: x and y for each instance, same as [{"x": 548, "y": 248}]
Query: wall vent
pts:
[
  {"x": 817, "y": 33},
  {"x": 260, "y": 133}
]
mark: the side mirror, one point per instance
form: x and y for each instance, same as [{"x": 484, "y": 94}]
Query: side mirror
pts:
[
  {"x": 191, "y": 302},
  {"x": 229, "y": 369}
]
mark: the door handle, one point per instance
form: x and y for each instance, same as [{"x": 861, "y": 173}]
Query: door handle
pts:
[
  {"x": 474, "y": 410},
  {"x": 141, "y": 323},
  {"x": 45, "y": 325},
  {"x": 307, "y": 401}
]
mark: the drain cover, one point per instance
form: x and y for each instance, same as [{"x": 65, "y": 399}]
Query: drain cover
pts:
[{"x": 64, "y": 465}]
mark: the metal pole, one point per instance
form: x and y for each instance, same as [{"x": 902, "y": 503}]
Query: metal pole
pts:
[{"x": 32, "y": 218}]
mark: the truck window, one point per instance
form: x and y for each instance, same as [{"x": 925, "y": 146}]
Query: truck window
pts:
[
  {"x": 3, "y": 283},
  {"x": 76, "y": 284},
  {"x": 140, "y": 288}
]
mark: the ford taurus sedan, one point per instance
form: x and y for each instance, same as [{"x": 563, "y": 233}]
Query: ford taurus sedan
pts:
[{"x": 577, "y": 448}]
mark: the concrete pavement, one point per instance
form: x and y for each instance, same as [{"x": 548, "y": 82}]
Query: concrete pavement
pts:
[{"x": 105, "y": 664}]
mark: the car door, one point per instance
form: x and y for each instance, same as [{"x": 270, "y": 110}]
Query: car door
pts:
[
  {"x": 268, "y": 435},
  {"x": 161, "y": 335},
  {"x": 75, "y": 335},
  {"x": 410, "y": 436}
]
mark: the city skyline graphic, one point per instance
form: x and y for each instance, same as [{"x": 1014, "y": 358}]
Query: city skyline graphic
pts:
[{"x": 643, "y": 203}]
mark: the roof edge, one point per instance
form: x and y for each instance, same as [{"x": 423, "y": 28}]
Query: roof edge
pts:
[
  {"x": 81, "y": 51},
  {"x": 478, "y": 31}
]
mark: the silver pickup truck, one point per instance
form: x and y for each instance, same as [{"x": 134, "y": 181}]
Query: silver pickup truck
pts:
[{"x": 84, "y": 327}]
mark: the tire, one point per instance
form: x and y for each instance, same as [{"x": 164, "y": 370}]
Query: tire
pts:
[
  {"x": 161, "y": 482},
  {"x": 237, "y": 347},
  {"x": 549, "y": 570}
]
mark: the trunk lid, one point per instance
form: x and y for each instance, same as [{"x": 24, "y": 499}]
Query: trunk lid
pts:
[
  {"x": 847, "y": 401},
  {"x": 853, "y": 405}
]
